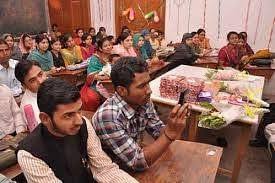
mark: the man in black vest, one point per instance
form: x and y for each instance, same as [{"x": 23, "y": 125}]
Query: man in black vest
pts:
[{"x": 64, "y": 146}]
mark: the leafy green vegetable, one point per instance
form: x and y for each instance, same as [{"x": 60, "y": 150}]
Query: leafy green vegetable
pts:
[
  {"x": 206, "y": 105},
  {"x": 211, "y": 121}
]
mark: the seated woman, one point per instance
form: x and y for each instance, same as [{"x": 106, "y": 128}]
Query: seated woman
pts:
[
  {"x": 100, "y": 58},
  {"x": 203, "y": 41},
  {"x": 243, "y": 35},
  {"x": 162, "y": 41},
  {"x": 41, "y": 54},
  {"x": 184, "y": 54},
  {"x": 71, "y": 53},
  {"x": 101, "y": 33},
  {"x": 147, "y": 45},
  {"x": 93, "y": 34},
  {"x": 55, "y": 32},
  {"x": 78, "y": 39},
  {"x": 15, "y": 51},
  {"x": 154, "y": 40},
  {"x": 87, "y": 48},
  {"x": 26, "y": 45},
  {"x": 123, "y": 29},
  {"x": 125, "y": 48},
  {"x": 92, "y": 100},
  {"x": 55, "y": 50},
  {"x": 196, "y": 42},
  {"x": 228, "y": 55},
  {"x": 138, "y": 42}
]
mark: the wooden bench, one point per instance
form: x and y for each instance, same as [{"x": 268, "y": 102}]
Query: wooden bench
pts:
[{"x": 184, "y": 161}]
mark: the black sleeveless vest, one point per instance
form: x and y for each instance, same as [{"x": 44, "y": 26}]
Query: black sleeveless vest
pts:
[{"x": 66, "y": 156}]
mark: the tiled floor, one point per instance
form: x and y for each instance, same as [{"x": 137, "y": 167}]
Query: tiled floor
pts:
[{"x": 255, "y": 167}]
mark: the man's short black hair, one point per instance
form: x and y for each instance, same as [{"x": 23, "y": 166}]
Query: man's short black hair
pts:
[
  {"x": 54, "y": 92},
  {"x": 123, "y": 71},
  {"x": 22, "y": 68}
]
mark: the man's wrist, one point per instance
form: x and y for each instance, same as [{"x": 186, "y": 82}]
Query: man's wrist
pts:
[{"x": 168, "y": 136}]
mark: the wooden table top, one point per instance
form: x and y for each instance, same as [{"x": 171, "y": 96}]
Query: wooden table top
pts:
[
  {"x": 198, "y": 72},
  {"x": 208, "y": 59},
  {"x": 207, "y": 62},
  {"x": 156, "y": 68},
  {"x": 184, "y": 161}
]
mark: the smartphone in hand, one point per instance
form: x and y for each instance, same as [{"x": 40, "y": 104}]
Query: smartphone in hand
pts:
[{"x": 182, "y": 98}]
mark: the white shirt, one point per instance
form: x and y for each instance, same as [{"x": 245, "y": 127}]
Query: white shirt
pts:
[
  {"x": 7, "y": 77},
  {"x": 102, "y": 167},
  {"x": 11, "y": 118},
  {"x": 30, "y": 98}
]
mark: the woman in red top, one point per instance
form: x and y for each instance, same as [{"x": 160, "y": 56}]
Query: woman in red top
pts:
[
  {"x": 229, "y": 54},
  {"x": 87, "y": 48},
  {"x": 243, "y": 35}
]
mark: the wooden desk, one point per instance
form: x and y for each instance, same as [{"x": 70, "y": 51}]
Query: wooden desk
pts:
[
  {"x": 157, "y": 70},
  {"x": 184, "y": 162},
  {"x": 76, "y": 77},
  {"x": 245, "y": 122},
  {"x": 266, "y": 72},
  {"x": 207, "y": 62},
  {"x": 12, "y": 172}
]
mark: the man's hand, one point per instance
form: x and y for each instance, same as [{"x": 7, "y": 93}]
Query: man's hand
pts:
[{"x": 177, "y": 121}]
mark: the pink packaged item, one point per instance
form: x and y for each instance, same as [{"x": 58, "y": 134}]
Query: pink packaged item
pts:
[
  {"x": 195, "y": 85},
  {"x": 172, "y": 85},
  {"x": 226, "y": 75},
  {"x": 31, "y": 121}
]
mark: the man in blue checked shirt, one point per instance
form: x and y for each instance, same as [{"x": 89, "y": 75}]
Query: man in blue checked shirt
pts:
[{"x": 122, "y": 119}]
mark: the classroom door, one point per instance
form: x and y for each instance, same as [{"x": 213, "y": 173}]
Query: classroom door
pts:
[
  {"x": 140, "y": 8},
  {"x": 70, "y": 14}
]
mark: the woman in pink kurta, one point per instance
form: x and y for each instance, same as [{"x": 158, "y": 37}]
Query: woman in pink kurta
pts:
[{"x": 125, "y": 48}]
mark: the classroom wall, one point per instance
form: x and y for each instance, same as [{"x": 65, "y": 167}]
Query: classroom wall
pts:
[
  {"x": 233, "y": 14},
  {"x": 140, "y": 8}
]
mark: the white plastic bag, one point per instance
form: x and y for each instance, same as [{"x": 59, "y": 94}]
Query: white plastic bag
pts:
[{"x": 270, "y": 135}]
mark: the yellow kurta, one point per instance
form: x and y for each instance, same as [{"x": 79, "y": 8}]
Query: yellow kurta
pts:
[{"x": 73, "y": 56}]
